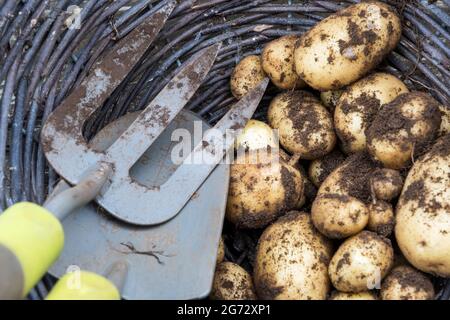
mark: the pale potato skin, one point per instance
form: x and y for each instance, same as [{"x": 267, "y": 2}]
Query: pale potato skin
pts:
[
  {"x": 304, "y": 125},
  {"x": 347, "y": 45},
  {"x": 341, "y": 206},
  {"x": 256, "y": 135},
  {"x": 406, "y": 283},
  {"x": 361, "y": 262},
  {"x": 232, "y": 282},
  {"x": 291, "y": 260},
  {"x": 381, "y": 218},
  {"x": 278, "y": 63},
  {"x": 403, "y": 129},
  {"x": 359, "y": 104},
  {"x": 386, "y": 184},
  {"x": 364, "y": 295},
  {"x": 346, "y": 215},
  {"x": 422, "y": 216},
  {"x": 220, "y": 251},
  {"x": 260, "y": 191},
  {"x": 246, "y": 75}
]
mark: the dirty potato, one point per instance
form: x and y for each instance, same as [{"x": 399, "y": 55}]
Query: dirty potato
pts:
[
  {"x": 305, "y": 127},
  {"x": 358, "y": 106},
  {"x": 347, "y": 45},
  {"x": 386, "y": 184},
  {"x": 445, "y": 123},
  {"x": 220, "y": 252},
  {"x": 232, "y": 282},
  {"x": 422, "y": 216},
  {"x": 341, "y": 206},
  {"x": 361, "y": 262},
  {"x": 261, "y": 188},
  {"x": 246, "y": 76},
  {"x": 381, "y": 218},
  {"x": 406, "y": 283},
  {"x": 291, "y": 260},
  {"x": 256, "y": 135},
  {"x": 403, "y": 129},
  {"x": 278, "y": 63},
  {"x": 364, "y": 295}
]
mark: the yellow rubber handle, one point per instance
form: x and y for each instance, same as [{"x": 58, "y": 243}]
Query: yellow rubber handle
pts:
[
  {"x": 83, "y": 285},
  {"x": 34, "y": 236}
]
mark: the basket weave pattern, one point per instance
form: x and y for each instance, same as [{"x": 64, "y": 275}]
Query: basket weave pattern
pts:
[{"x": 42, "y": 60}]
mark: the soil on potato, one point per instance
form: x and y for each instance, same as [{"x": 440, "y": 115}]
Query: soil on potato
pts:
[
  {"x": 356, "y": 174},
  {"x": 409, "y": 280},
  {"x": 390, "y": 120},
  {"x": 394, "y": 179},
  {"x": 417, "y": 190},
  {"x": 306, "y": 121},
  {"x": 328, "y": 163}
]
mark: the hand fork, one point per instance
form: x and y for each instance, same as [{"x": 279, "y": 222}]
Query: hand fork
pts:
[{"x": 107, "y": 173}]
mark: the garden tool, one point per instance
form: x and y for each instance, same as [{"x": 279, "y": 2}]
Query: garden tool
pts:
[
  {"x": 175, "y": 259},
  {"x": 31, "y": 237},
  {"x": 84, "y": 285},
  {"x": 108, "y": 173}
]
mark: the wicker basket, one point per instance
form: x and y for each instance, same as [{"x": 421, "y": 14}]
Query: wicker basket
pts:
[{"x": 42, "y": 60}]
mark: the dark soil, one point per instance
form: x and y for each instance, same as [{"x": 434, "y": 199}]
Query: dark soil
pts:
[
  {"x": 328, "y": 163},
  {"x": 356, "y": 174}
]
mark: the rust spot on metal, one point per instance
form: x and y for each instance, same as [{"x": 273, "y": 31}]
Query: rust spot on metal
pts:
[{"x": 106, "y": 74}]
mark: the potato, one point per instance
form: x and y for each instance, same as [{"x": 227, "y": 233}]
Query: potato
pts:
[
  {"x": 386, "y": 184},
  {"x": 341, "y": 206},
  {"x": 220, "y": 252},
  {"x": 330, "y": 98},
  {"x": 406, "y": 283},
  {"x": 309, "y": 190},
  {"x": 278, "y": 63},
  {"x": 403, "y": 129},
  {"x": 364, "y": 295},
  {"x": 246, "y": 76},
  {"x": 305, "y": 127},
  {"x": 381, "y": 218},
  {"x": 232, "y": 282},
  {"x": 358, "y": 106},
  {"x": 291, "y": 260},
  {"x": 361, "y": 262},
  {"x": 256, "y": 135},
  {"x": 423, "y": 221},
  {"x": 445, "y": 123},
  {"x": 347, "y": 45},
  {"x": 280, "y": 105},
  {"x": 321, "y": 168},
  {"x": 261, "y": 190}
]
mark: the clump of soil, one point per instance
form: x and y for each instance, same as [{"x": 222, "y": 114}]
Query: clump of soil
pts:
[{"x": 356, "y": 173}]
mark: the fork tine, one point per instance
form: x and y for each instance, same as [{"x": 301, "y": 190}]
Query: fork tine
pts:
[{"x": 132, "y": 144}]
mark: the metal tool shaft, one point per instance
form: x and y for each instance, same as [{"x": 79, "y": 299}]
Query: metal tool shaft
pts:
[{"x": 84, "y": 192}]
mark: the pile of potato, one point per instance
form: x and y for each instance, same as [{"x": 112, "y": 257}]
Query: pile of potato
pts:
[{"x": 378, "y": 154}]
